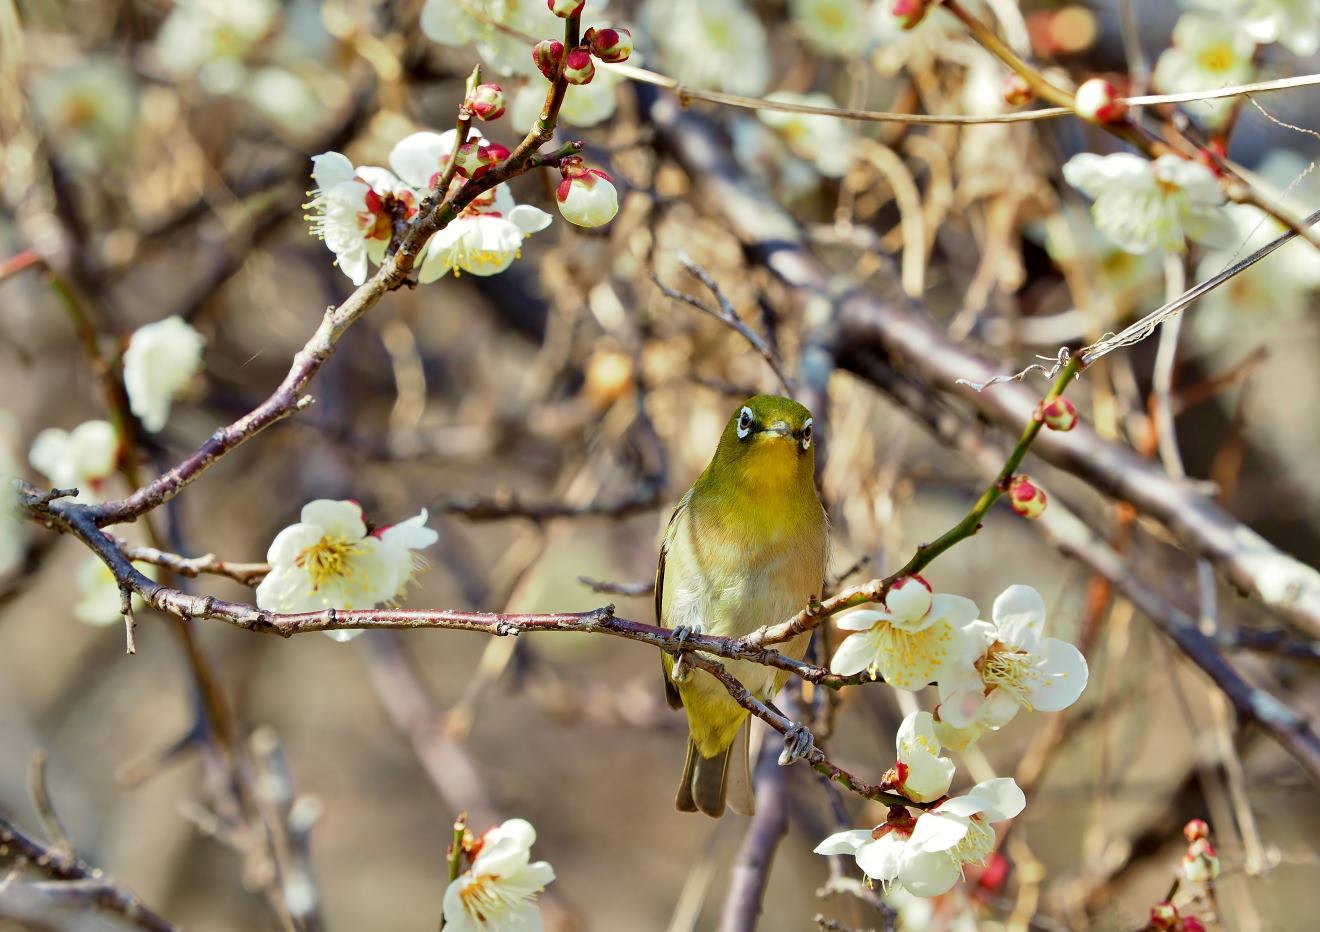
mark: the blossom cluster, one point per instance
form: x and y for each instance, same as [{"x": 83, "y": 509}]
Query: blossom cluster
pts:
[{"x": 985, "y": 672}]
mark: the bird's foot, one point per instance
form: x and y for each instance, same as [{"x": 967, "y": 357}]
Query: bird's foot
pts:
[
  {"x": 798, "y": 745},
  {"x": 681, "y": 672}
]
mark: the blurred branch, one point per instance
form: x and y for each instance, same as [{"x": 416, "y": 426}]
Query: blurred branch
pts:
[
  {"x": 726, "y": 315},
  {"x": 638, "y": 587},
  {"x": 750, "y": 875},
  {"x": 248, "y": 574},
  {"x": 87, "y": 886},
  {"x": 41, "y": 802},
  {"x": 290, "y": 818},
  {"x": 645, "y": 497}
]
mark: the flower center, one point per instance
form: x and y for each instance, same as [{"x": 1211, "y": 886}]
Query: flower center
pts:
[
  {"x": 1216, "y": 58},
  {"x": 976, "y": 844},
  {"x": 1013, "y": 671},
  {"x": 485, "y": 899},
  {"x": 328, "y": 558}
]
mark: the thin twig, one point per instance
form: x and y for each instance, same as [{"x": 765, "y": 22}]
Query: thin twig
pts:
[{"x": 51, "y": 822}]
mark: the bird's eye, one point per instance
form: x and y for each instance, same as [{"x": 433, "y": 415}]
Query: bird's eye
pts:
[
  {"x": 806, "y": 435},
  {"x": 744, "y": 423}
]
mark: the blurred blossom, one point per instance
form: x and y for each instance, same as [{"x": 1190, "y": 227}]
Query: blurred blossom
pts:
[
  {"x": 160, "y": 361},
  {"x": 89, "y": 109},
  {"x": 824, "y": 141},
  {"x": 78, "y": 458},
  {"x": 1116, "y": 279},
  {"x": 920, "y": 773},
  {"x": 328, "y": 560},
  {"x": 836, "y": 28},
  {"x": 926, "y": 855},
  {"x": 917, "y": 48},
  {"x": 584, "y": 104},
  {"x": 1276, "y": 289},
  {"x": 911, "y": 641},
  {"x": 1148, "y": 206},
  {"x": 764, "y": 155},
  {"x": 210, "y": 38},
  {"x": 352, "y": 210},
  {"x": 1208, "y": 52},
  {"x": 99, "y": 599},
  {"x": 497, "y": 893},
  {"x": 449, "y": 23},
  {"x": 13, "y": 529},
  {"x": 1011, "y": 666},
  {"x": 1295, "y": 24},
  {"x": 714, "y": 44},
  {"x": 285, "y": 99}
]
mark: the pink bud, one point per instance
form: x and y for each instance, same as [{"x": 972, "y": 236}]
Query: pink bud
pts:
[
  {"x": 1192, "y": 924},
  {"x": 548, "y": 55},
  {"x": 1097, "y": 100},
  {"x": 497, "y": 151},
  {"x": 1163, "y": 915},
  {"x": 1200, "y": 864},
  {"x": 578, "y": 66},
  {"x": 565, "y": 8},
  {"x": 474, "y": 159},
  {"x": 1016, "y": 91},
  {"x": 1059, "y": 414},
  {"x": 586, "y": 196},
  {"x": 910, "y": 12},
  {"x": 486, "y": 102},
  {"x": 611, "y": 44},
  {"x": 1027, "y": 498},
  {"x": 1196, "y": 829}
]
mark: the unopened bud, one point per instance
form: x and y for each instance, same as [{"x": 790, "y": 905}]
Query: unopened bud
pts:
[
  {"x": 586, "y": 196},
  {"x": 548, "y": 55},
  {"x": 1164, "y": 916},
  {"x": 1098, "y": 101},
  {"x": 497, "y": 152},
  {"x": 1192, "y": 924},
  {"x": 578, "y": 66},
  {"x": 1200, "y": 864},
  {"x": 1195, "y": 830},
  {"x": 910, "y": 12},
  {"x": 1059, "y": 414},
  {"x": 565, "y": 8},
  {"x": 611, "y": 44},
  {"x": 1027, "y": 498},
  {"x": 474, "y": 159},
  {"x": 487, "y": 102},
  {"x": 1016, "y": 91}
]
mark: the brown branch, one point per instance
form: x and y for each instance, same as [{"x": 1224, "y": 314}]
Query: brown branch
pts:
[
  {"x": 636, "y": 588},
  {"x": 249, "y": 574},
  {"x": 750, "y": 875},
  {"x": 86, "y": 884},
  {"x": 647, "y": 496}
]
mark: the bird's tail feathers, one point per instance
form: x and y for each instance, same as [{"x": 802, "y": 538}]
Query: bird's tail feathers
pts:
[{"x": 708, "y": 782}]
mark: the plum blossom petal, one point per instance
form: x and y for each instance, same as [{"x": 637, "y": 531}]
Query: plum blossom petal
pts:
[
  {"x": 498, "y": 890},
  {"x": 160, "y": 361}
]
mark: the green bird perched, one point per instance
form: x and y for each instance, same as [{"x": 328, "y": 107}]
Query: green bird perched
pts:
[{"x": 747, "y": 546}]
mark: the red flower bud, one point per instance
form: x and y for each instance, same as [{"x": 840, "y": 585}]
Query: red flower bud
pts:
[
  {"x": 548, "y": 55},
  {"x": 578, "y": 66},
  {"x": 1027, "y": 498},
  {"x": 1163, "y": 915},
  {"x": 497, "y": 151},
  {"x": 565, "y": 8},
  {"x": 1098, "y": 101},
  {"x": 1059, "y": 414},
  {"x": 1016, "y": 91},
  {"x": 1200, "y": 864},
  {"x": 486, "y": 102},
  {"x": 1192, "y": 924},
  {"x": 474, "y": 159},
  {"x": 909, "y": 13},
  {"x": 1196, "y": 829},
  {"x": 611, "y": 44}
]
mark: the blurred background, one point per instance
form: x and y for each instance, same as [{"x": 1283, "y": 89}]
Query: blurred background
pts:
[{"x": 156, "y": 157}]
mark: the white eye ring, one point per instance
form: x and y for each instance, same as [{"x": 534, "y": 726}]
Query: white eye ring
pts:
[
  {"x": 806, "y": 435},
  {"x": 745, "y": 419}
]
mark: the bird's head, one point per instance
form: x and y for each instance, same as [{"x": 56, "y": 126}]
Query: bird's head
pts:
[{"x": 769, "y": 440}]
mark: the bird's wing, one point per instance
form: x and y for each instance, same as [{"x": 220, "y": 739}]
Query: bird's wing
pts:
[{"x": 666, "y": 660}]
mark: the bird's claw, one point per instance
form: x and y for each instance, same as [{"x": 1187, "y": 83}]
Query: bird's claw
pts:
[
  {"x": 681, "y": 672},
  {"x": 798, "y": 744}
]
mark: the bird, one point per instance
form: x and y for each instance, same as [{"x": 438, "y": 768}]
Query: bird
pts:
[{"x": 747, "y": 546}]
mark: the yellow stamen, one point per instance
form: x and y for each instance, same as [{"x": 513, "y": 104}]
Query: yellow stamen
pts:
[{"x": 329, "y": 557}]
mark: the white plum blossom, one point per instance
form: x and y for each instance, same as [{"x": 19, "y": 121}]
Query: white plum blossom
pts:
[
  {"x": 497, "y": 893},
  {"x": 584, "y": 104},
  {"x": 160, "y": 361},
  {"x": 1012, "y": 666},
  {"x": 449, "y": 22},
  {"x": 1148, "y": 206},
  {"x": 920, "y": 773},
  {"x": 587, "y": 197},
  {"x": 351, "y": 210},
  {"x": 487, "y": 236},
  {"x": 328, "y": 560},
  {"x": 824, "y": 141},
  {"x": 99, "y": 601},
  {"x": 837, "y": 28},
  {"x": 938, "y": 36},
  {"x": 911, "y": 641},
  {"x": 1295, "y": 24},
  {"x": 212, "y": 37},
  {"x": 1208, "y": 52},
  {"x": 926, "y": 855},
  {"x": 89, "y": 108},
  {"x": 78, "y": 458},
  {"x": 714, "y": 44}
]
